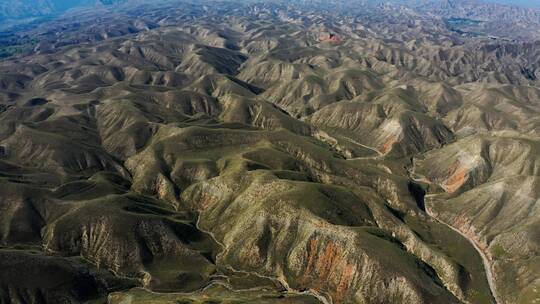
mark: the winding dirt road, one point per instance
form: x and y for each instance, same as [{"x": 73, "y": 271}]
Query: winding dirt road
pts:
[{"x": 485, "y": 260}]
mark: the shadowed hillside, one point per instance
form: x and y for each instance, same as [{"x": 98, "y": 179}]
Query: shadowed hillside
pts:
[{"x": 223, "y": 152}]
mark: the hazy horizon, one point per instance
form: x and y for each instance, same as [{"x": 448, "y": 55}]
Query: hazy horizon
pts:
[
  {"x": 71, "y": 3},
  {"x": 527, "y": 3},
  {"x": 269, "y": 151}
]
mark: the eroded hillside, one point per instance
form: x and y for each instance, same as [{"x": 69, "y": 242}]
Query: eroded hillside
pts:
[{"x": 232, "y": 153}]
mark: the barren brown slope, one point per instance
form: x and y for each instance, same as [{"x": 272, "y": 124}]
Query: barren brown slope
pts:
[{"x": 224, "y": 152}]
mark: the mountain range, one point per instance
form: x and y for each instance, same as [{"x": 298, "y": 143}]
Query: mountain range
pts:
[
  {"x": 272, "y": 152},
  {"x": 18, "y": 9}
]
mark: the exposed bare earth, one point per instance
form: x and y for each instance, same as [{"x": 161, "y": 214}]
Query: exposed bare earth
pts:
[{"x": 263, "y": 152}]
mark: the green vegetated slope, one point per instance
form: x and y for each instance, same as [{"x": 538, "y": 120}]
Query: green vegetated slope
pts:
[{"x": 236, "y": 158}]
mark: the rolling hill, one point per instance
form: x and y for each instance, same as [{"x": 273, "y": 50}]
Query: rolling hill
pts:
[{"x": 271, "y": 152}]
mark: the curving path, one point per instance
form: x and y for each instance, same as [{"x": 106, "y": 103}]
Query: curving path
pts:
[{"x": 485, "y": 260}]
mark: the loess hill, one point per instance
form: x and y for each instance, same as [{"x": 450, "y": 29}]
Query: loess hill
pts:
[{"x": 263, "y": 152}]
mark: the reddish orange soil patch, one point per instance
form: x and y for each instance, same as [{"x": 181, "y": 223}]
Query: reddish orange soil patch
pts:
[
  {"x": 330, "y": 38},
  {"x": 205, "y": 200},
  {"x": 458, "y": 175},
  {"x": 345, "y": 279},
  {"x": 389, "y": 144},
  {"x": 328, "y": 269},
  {"x": 325, "y": 263}
]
